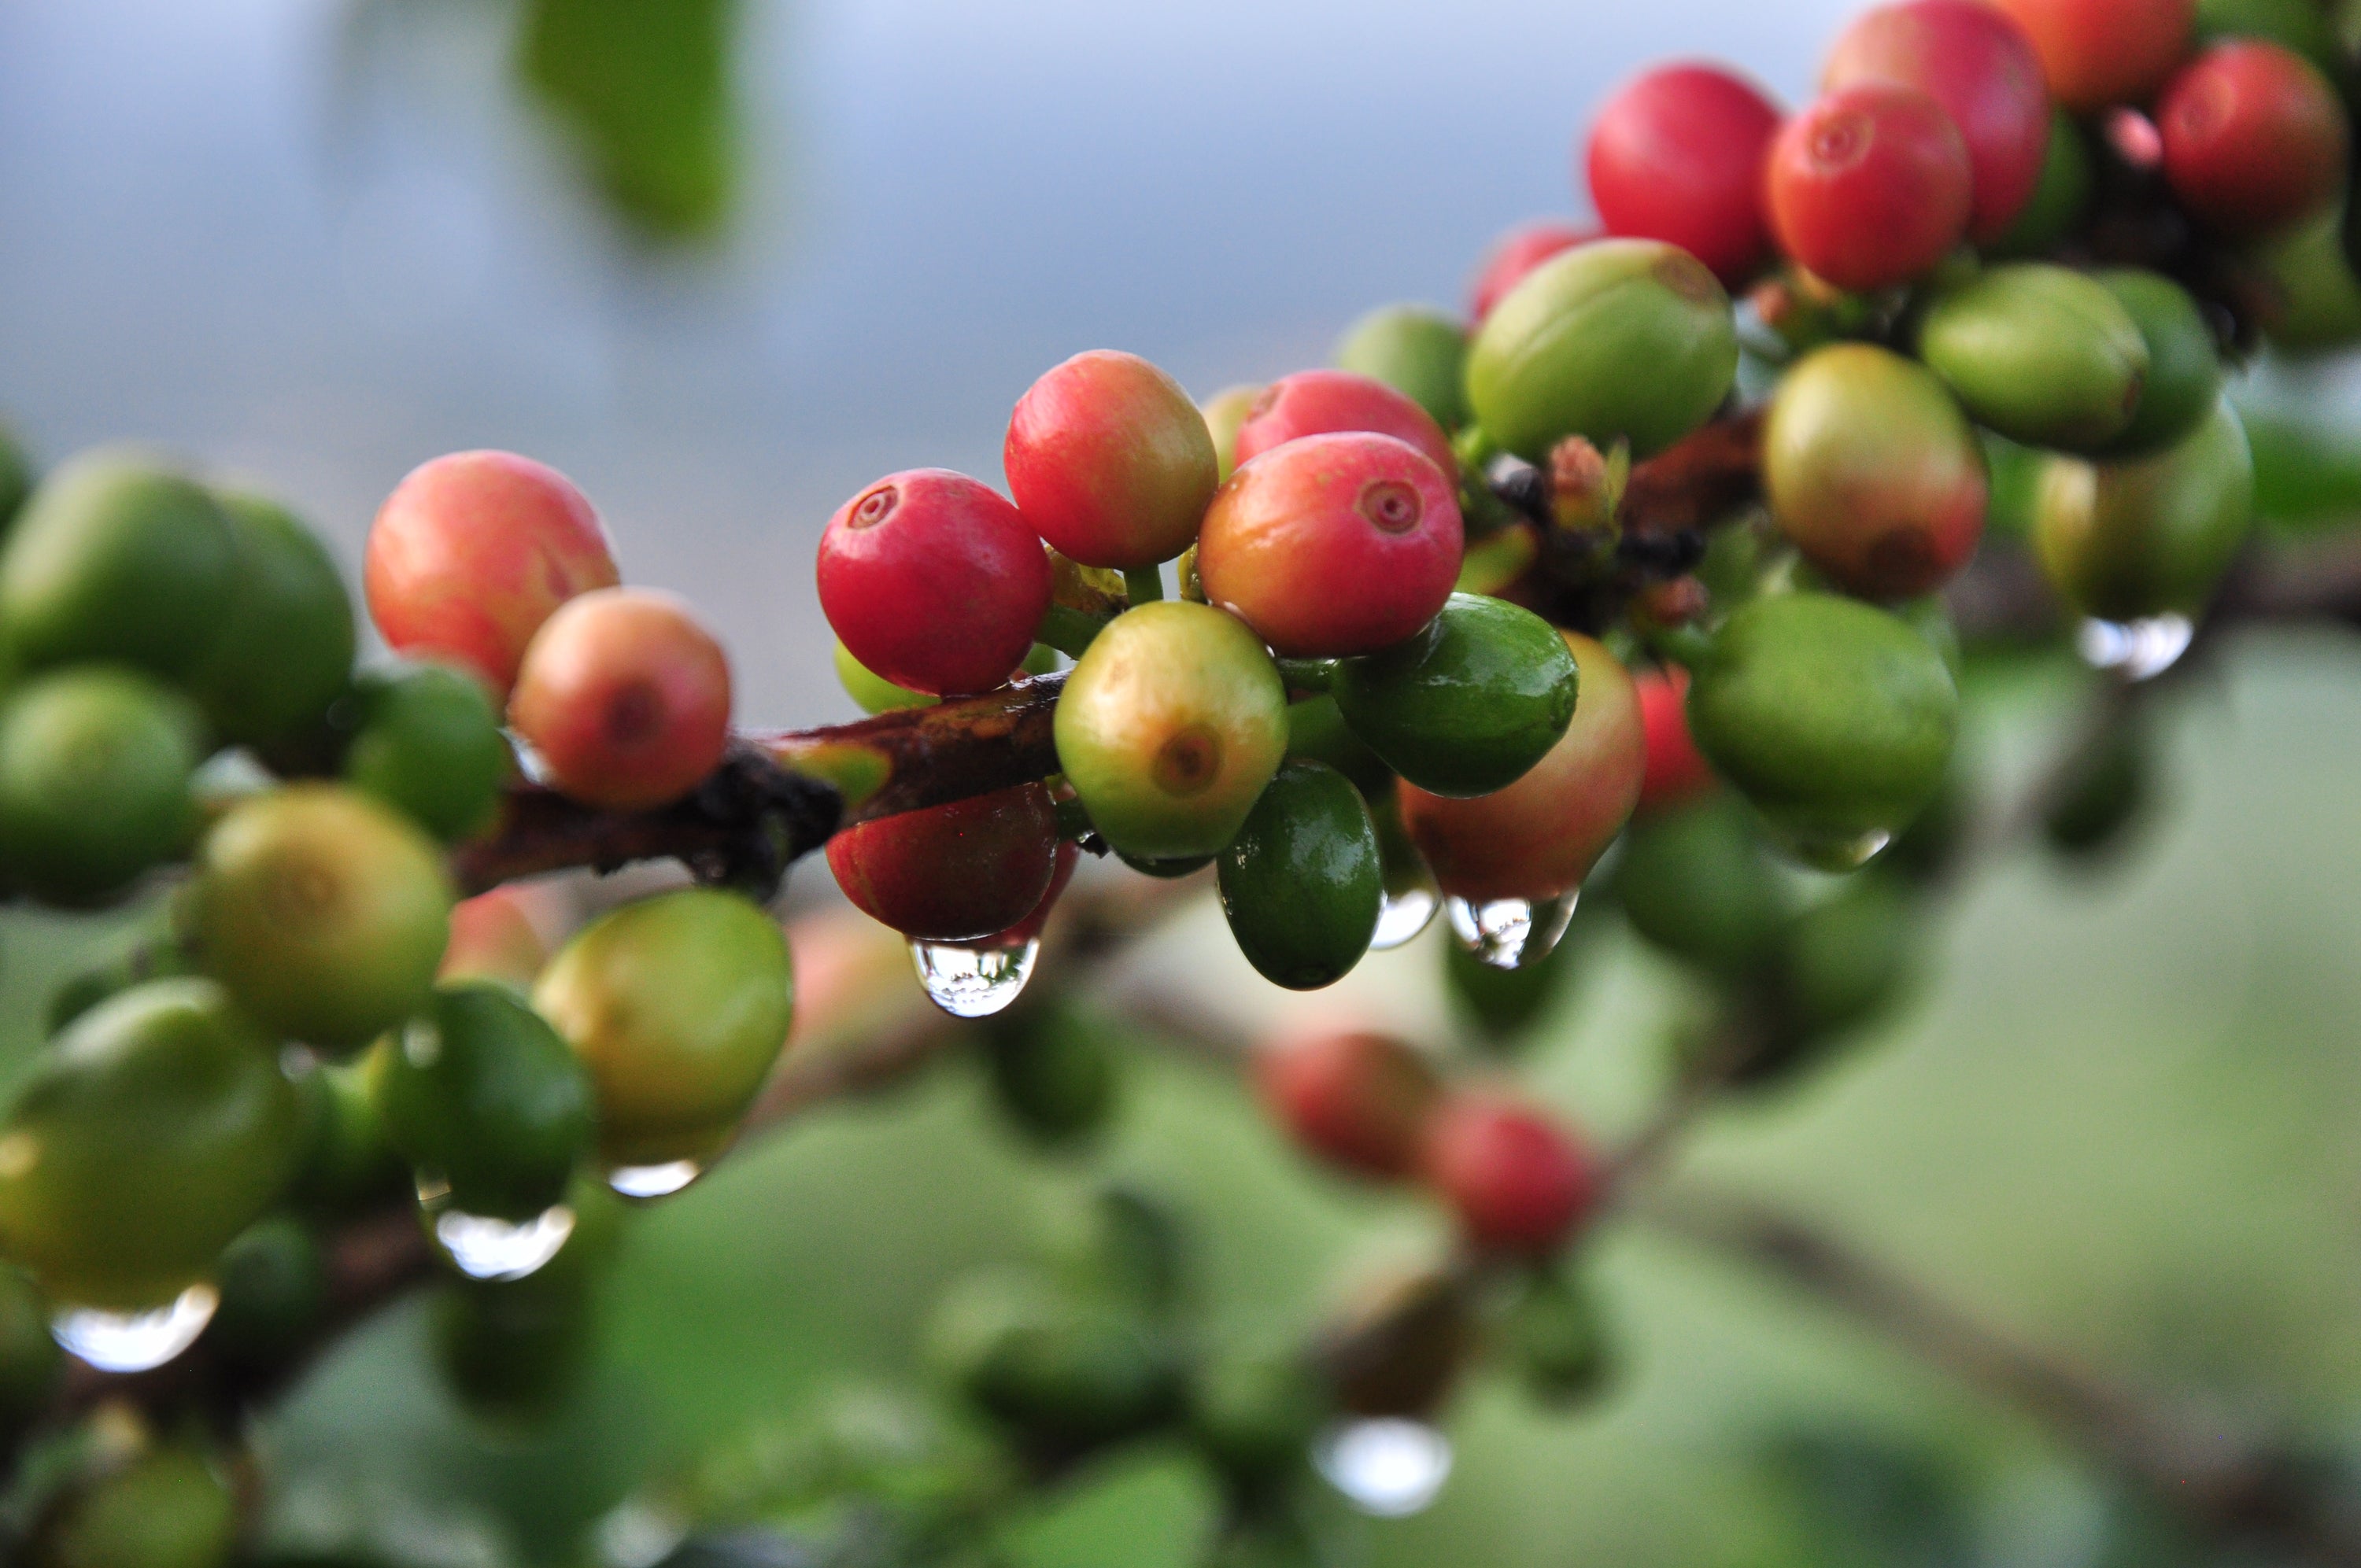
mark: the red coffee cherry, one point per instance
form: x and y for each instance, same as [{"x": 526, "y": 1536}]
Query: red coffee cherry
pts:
[
  {"x": 1675, "y": 770},
  {"x": 973, "y": 868},
  {"x": 2101, "y": 52},
  {"x": 932, "y": 581},
  {"x": 1977, "y": 65},
  {"x": 1323, "y": 402},
  {"x": 1109, "y": 459},
  {"x": 1870, "y": 186},
  {"x": 1516, "y": 253},
  {"x": 2255, "y": 141},
  {"x": 1333, "y": 545},
  {"x": 625, "y": 697},
  {"x": 1518, "y": 1182},
  {"x": 1677, "y": 155},
  {"x": 1359, "y": 1100},
  {"x": 472, "y": 553}
]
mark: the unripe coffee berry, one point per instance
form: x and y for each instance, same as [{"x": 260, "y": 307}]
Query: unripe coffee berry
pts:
[
  {"x": 2255, "y": 140},
  {"x": 1322, "y": 402},
  {"x": 1516, "y": 253},
  {"x": 1359, "y": 1100},
  {"x": 1677, "y": 155},
  {"x": 625, "y": 697},
  {"x": 2125, "y": 540},
  {"x": 2100, "y": 52},
  {"x": 953, "y": 872},
  {"x": 2044, "y": 355},
  {"x": 286, "y": 647},
  {"x": 1417, "y": 350},
  {"x": 1870, "y": 186},
  {"x": 1516, "y": 1182},
  {"x": 1110, "y": 461}
]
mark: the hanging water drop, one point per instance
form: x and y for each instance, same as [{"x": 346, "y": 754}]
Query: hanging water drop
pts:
[
  {"x": 970, "y": 981},
  {"x": 1387, "y": 1468},
  {"x": 644, "y": 1181},
  {"x": 483, "y": 1247},
  {"x": 1402, "y": 915},
  {"x": 1511, "y": 933},
  {"x": 2138, "y": 650},
  {"x": 1837, "y": 852},
  {"x": 135, "y": 1341}
]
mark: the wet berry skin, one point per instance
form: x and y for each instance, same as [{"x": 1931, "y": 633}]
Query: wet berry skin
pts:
[
  {"x": 2255, "y": 141},
  {"x": 1110, "y": 461},
  {"x": 1333, "y": 545},
  {"x": 1359, "y": 1100},
  {"x": 1517, "y": 1183},
  {"x": 472, "y": 551},
  {"x": 2098, "y": 53},
  {"x": 1516, "y": 253},
  {"x": 1677, "y": 155},
  {"x": 1870, "y": 186},
  {"x": 933, "y": 582},
  {"x": 953, "y": 872},
  {"x": 625, "y": 697},
  {"x": 1323, "y": 402},
  {"x": 1675, "y": 771}
]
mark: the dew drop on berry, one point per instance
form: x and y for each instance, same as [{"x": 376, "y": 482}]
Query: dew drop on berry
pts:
[
  {"x": 2136, "y": 649},
  {"x": 968, "y": 980},
  {"x": 1404, "y": 914},
  {"x": 1511, "y": 933},
  {"x": 483, "y": 1247},
  {"x": 1389, "y": 1468},
  {"x": 645, "y": 1182},
  {"x": 135, "y": 1341}
]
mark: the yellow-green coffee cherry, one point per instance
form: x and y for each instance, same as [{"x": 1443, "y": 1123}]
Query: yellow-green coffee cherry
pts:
[
  {"x": 1224, "y": 411},
  {"x": 94, "y": 768},
  {"x": 429, "y": 744},
  {"x": 1417, "y": 350},
  {"x": 2184, "y": 373},
  {"x": 165, "y": 1509},
  {"x": 2127, "y": 539},
  {"x": 1302, "y": 883},
  {"x": 2041, "y": 353},
  {"x": 873, "y": 691},
  {"x": 286, "y": 647}
]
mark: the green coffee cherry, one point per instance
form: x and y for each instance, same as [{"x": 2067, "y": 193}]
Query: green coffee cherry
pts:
[
  {"x": 30, "y": 1360},
  {"x": 2123, "y": 540},
  {"x": 115, "y": 558},
  {"x": 1834, "y": 719},
  {"x": 2184, "y": 374},
  {"x": 679, "y": 1005},
  {"x": 1062, "y": 1372},
  {"x": 1316, "y": 732},
  {"x": 1116, "y": 1241},
  {"x": 1054, "y": 1074},
  {"x": 155, "y": 958},
  {"x": 1255, "y": 1416},
  {"x": 1557, "y": 1336},
  {"x": 1224, "y": 411},
  {"x": 2059, "y": 198},
  {"x": 2106, "y": 790},
  {"x": 874, "y": 692},
  {"x": 149, "y": 1133},
  {"x": 2041, "y": 353},
  {"x": 1170, "y": 725},
  {"x": 2016, "y": 476},
  {"x": 429, "y": 744},
  {"x": 286, "y": 648},
  {"x": 323, "y": 911},
  {"x": 2316, "y": 298},
  {"x": 1302, "y": 883},
  {"x": 1695, "y": 882},
  {"x": 1417, "y": 350},
  {"x": 1617, "y": 340},
  {"x": 513, "y": 1351},
  {"x": 347, "y": 1165},
  {"x": 479, "y": 1092},
  {"x": 167, "y": 1509},
  {"x": 1470, "y": 703},
  {"x": 274, "y": 1285},
  {"x": 94, "y": 770},
  {"x": 1841, "y": 963}
]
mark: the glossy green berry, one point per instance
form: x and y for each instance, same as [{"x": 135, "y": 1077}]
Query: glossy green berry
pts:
[
  {"x": 679, "y": 1005},
  {"x": 94, "y": 768},
  {"x": 1417, "y": 350},
  {"x": 117, "y": 557},
  {"x": 1695, "y": 882},
  {"x": 30, "y": 1361},
  {"x": 1062, "y": 1372},
  {"x": 1556, "y": 1335},
  {"x": 149, "y": 1133},
  {"x": 1053, "y": 1074},
  {"x": 1617, "y": 340},
  {"x": 1255, "y": 1415},
  {"x": 1834, "y": 719},
  {"x": 1302, "y": 883},
  {"x": 481, "y": 1095},
  {"x": 1841, "y": 964},
  {"x": 429, "y": 744},
  {"x": 1467, "y": 706},
  {"x": 1170, "y": 725},
  {"x": 2148, "y": 535},
  {"x": 286, "y": 647},
  {"x": 2059, "y": 198},
  {"x": 165, "y": 1508},
  {"x": 273, "y": 1281},
  {"x": 873, "y": 691},
  {"x": 323, "y": 912},
  {"x": 2044, "y": 355},
  {"x": 2184, "y": 373}
]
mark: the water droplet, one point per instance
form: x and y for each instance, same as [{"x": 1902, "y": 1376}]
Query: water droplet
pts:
[
  {"x": 135, "y": 1341},
  {"x": 1389, "y": 1468},
  {"x": 486, "y": 1248},
  {"x": 654, "y": 1180},
  {"x": 636, "y": 1535},
  {"x": 968, "y": 982},
  {"x": 1511, "y": 933},
  {"x": 529, "y": 762},
  {"x": 1836, "y": 853},
  {"x": 1403, "y": 915},
  {"x": 2138, "y": 648}
]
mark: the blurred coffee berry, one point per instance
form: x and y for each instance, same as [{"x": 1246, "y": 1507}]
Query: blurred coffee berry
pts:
[
  {"x": 625, "y": 697},
  {"x": 2254, "y": 139},
  {"x": 953, "y": 872},
  {"x": 1417, "y": 350},
  {"x": 1698, "y": 882},
  {"x": 323, "y": 912},
  {"x": 94, "y": 772},
  {"x": 1872, "y": 470},
  {"x": 1055, "y": 1075},
  {"x": 1323, "y": 402},
  {"x": 165, "y": 1509},
  {"x": 2095, "y": 53},
  {"x": 1516, "y": 1182},
  {"x": 1358, "y": 1099},
  {"x": 274, "y": 1286},
  {"x": 1516, "y": 253},
  {"x": 2184, "y": 371},
  {"x": 933, "y": 582},
  {"x": 2059, "y": 197},
  {"x": 494, "y": 938},
  {"x": 286, "y": 648},
  {"x": 1677, "y": 155},
  {"x": 1978, "y": 64},
  {"x": 30, "y": 1360},
  {"x": 1170, "y": 725},
  {"x": 2302, "y": 25},
  {"x": 1870, "y": 186},
  {"x": 472, "y": 551},
  {"x": 2144, "y": 536},
  {"x": 1224, "y": 411},
  {"x": 1676, "y": 771},
  {"x": 1470, "y": 703},
  {"x": 430, "y": 745},
  {"x": 1332, "y": 545},
  {"x": 1110, "y": 461},
  {"x": 1062, "y": 1371},
  {"x": 873, "y": 691},
  {"x": 2043, "y": 355},
  {"x": 1302, "y": 882},
  {"x": 1617, "y": 340},
  {"x": 1538, "y": 836}
]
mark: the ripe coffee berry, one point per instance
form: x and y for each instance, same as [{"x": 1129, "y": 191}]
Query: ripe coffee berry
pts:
[
  {"x": 2255, "y": 141},
  {"x": 473, "y": 551},
  {"x": 1516, "y": 253},
  {"x": 1516, "y": 1182},
  {"x": 953, "y": 872},
  {"x": 1674, "y": 770},
  {"x": 1870, "y": 186},
  {"x": 1357, "y": 1100},
  {"x": 1322, "y": 403},
  {"x": 933, "y": 582},
  {"x": 1110, "y": 461},
  {"x": 1332, "y": 545},
  {"x": 625, "y": 697},
  {"x": 1677, "y": 155},
  {"x": 2098, "y": 53},
  {"x": 1976, "y": 63}
]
